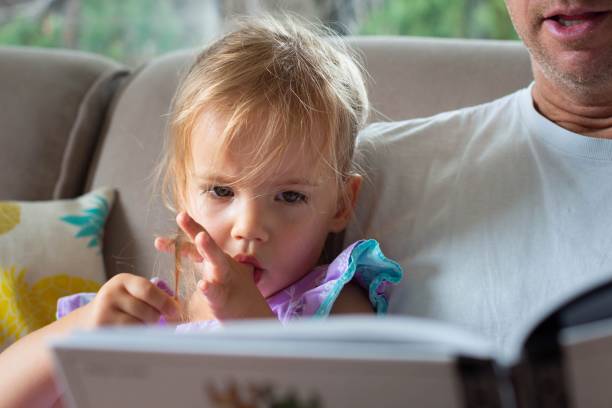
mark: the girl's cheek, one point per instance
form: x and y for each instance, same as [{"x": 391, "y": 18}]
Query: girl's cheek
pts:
[
  {"x": 202, "y": 211},
  {"x": 193, "y": 205},
  {"x": 299, "y": 215}
]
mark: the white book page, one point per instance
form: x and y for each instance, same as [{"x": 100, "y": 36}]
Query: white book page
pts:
[
  {"x": 156, "y": 379},
  {"x": 343, "y": 362},
  {"x": 340, "y": 335}
]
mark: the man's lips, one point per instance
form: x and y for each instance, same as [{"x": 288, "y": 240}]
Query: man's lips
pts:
[
  {"x": 572, "y": 12},
  {"x": 573, "y": 24}
]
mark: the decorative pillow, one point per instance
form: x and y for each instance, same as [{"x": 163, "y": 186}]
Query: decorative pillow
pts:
[{"x": 48, "y": 249}]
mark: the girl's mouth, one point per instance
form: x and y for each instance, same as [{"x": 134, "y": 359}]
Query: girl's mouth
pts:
[
  {"x": 257, "y": 273},
  {"x": 251, "y": 260}
]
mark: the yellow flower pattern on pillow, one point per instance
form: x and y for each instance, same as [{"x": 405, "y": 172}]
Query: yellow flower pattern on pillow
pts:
[
  {"x": 25, "y": 307},
  {"x": 48, "y": 249},
  {"x": 9, "y": 217}
]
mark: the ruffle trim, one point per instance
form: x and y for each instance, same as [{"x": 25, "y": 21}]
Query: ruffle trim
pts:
[{"x": 373, "y": 270}]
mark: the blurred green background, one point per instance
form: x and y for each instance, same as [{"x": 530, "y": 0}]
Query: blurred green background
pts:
[
  {"x": 133, "y": 31},
  {"x": 441, "y": 18}
]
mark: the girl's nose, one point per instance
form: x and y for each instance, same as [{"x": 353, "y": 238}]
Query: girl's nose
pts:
[{"x": 249, "y": 222}]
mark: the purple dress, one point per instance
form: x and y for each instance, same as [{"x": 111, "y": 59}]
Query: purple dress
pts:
[{"x": 311, "y": 296}]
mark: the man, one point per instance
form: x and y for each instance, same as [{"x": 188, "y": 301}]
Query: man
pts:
[{"x": 505, "y": 208}]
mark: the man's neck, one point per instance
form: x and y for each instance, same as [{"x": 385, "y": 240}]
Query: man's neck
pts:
[{"x": 584, "y": 112}]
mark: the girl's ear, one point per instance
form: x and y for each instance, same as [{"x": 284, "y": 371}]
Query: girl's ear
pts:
[{"x": 346, "y": 203}]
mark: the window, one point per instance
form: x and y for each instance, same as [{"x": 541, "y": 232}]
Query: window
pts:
[{"x": 134, "y": 31}]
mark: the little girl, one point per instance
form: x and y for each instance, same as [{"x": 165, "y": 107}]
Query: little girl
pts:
[{"x": 259, "y": 169}]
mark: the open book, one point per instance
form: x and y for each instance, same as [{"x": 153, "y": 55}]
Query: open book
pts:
[{"x": 564, "y": 360}]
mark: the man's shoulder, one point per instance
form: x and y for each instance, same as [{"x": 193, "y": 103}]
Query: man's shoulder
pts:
[{"x": 451, "y": 124}]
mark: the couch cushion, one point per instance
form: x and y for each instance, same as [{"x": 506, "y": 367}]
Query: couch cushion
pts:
[
  {"x": 53, "y": 105},
  {"x": 418, "y": 77},
  {"x": 409, "y": 77},
  {"x": 126, "y": 158}
]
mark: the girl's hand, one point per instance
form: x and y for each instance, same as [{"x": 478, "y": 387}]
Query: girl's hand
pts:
[
  {"x": 187, "y": 249},
  {"x": 227, "y": 285},
  {"x": 129, "y": 299}
]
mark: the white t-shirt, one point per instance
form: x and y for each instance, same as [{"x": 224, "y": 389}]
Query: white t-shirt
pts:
[{"x": 494, "y": 212}]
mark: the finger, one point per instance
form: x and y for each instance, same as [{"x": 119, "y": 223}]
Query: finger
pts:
[
  {"x": 216, "y": 294},
  {"x": 188, "y": 225},
  {"x": 160, "y": 283},
  {"x": 128, "y": 320},
  {"x": 147, "y": 292},
  {"x": 217, "y": 265},
  {"x": 189, "y": 250},
  {"x": 138, "y": 309},
  {"x": 164, "y": 244},
  {"x": 118, "y": 317},
  {"x": 191, "y": 228}
]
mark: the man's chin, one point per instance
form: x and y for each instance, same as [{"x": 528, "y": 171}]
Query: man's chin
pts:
[{"x": 579, "y": 70}]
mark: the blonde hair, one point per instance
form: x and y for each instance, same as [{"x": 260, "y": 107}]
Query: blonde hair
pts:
[{"x": 286, "y": 79}]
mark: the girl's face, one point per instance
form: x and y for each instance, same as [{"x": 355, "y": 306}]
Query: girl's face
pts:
[{"x": 278, "y": 224}]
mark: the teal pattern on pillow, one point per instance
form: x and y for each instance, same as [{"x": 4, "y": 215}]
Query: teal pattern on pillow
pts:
[{"x": 91, "y": 223}]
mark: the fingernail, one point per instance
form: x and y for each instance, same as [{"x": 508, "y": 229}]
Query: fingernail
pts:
[
  {"x": 201, "y": 285},
  {"x": 160, "y": 283}
]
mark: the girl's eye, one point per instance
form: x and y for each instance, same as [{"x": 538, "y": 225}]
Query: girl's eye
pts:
[
  {"x": 292, "y": 197},
  {"x": 221, "y": 191}
]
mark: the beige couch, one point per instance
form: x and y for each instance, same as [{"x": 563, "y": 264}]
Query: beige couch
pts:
[{"x": 74, "y": 121}]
